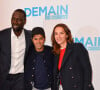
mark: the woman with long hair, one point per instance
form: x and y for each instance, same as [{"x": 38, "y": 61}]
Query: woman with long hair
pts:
[{"x": 72, "y": 68}]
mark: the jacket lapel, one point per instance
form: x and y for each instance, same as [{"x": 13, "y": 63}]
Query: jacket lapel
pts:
[
  {"x": 56, "y": 60},
  {"x": 66, "y": 55}
]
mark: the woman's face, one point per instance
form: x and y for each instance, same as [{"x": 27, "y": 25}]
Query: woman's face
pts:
[{"x": 60, "y": 36}]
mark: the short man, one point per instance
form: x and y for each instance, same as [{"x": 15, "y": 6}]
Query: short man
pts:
[
  {"x": 39, "y": 67},
  {"x": 14, "y": 44}
]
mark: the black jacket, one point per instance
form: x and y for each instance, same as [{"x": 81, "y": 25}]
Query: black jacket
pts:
[
  {"x": 75, "y": 72},
  {"x": 48, "y": 55}
]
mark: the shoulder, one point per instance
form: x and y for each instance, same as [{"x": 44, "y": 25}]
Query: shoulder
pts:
[
  {"x": 78, "y": 44},
  {"x": 5, "y": 30},
  {"x": 27, "y": 31},
  {"x": 48, "y": 47},
  {"x": 80, "y": 47}
]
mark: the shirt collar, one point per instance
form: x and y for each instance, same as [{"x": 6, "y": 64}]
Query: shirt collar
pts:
[{"x": 13, "y": 34}]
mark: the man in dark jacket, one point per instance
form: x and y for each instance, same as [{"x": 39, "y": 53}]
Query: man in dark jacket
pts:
[{"x": 14, "y": 44}]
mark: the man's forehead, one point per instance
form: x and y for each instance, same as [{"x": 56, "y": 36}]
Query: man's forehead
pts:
[
  {"x": 38, "y": 36},
  {"x": 18, "y": 13}
]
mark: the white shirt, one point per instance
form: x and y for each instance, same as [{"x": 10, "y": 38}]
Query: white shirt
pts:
[{"x": 17, "y": 53}]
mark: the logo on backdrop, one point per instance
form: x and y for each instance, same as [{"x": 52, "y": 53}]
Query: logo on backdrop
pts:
[
  {"x": 90, "y": 37},
  {"x": 50, "y": 12}
]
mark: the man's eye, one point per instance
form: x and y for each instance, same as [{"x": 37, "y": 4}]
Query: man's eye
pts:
[
  {"x": 35, "y": 38},
  {"x": 41, "y": 38}
]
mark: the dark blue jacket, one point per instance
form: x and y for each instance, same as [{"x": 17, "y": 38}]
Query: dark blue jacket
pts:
[
  {"x": 29, "y": 67},
  {"x": 75, "y": 72}
]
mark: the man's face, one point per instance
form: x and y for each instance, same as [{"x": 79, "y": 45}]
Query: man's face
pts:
[
  {"x": 38, "y": 41},
  {"x": 18, "y": 21}
]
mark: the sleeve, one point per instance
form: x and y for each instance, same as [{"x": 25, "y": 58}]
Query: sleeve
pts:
[
  {"x": 86, "y": 65},
  {"x": 28, "y": 71}
]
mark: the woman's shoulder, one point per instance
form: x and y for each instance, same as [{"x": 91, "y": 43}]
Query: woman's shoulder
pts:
[
  {"x": 77, "y": 45},
  {"x": 80, "y": 47}
]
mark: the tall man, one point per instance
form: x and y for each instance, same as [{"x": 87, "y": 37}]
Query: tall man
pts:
[{"x": 14, "y": 44}]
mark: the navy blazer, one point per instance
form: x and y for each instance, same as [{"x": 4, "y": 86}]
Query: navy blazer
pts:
[
  {"x": 75, "y": 72},
  {"x": 5, "y": 52}
]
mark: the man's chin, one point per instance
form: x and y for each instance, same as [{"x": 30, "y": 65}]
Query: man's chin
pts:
[
  {"x": 39, "y": 48},
  {"x": 17, "y": 29}
]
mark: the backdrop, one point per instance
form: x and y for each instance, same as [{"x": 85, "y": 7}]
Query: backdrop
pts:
[{"x": 82, "y": 17}]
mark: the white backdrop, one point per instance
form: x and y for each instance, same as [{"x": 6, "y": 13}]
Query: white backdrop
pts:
[{"x": 82, "y": 17}]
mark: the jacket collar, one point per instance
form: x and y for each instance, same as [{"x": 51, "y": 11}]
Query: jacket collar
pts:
[{"x": 68, "y": 51}]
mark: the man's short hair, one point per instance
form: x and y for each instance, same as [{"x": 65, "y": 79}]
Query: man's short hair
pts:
[
  {"x": 21, "y": 11},
  {"x": 38, "y": 30}
]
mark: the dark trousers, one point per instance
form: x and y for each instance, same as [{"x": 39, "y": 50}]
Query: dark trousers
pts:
[{"x": 14, "y": 82}]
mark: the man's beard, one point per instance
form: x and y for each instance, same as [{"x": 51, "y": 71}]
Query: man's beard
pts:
[{"x": 17, "y": 29}]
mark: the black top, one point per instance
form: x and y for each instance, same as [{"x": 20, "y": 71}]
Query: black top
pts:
[
  {"x": 39, "y": 68},
  {"x": 40, "y": 71}
]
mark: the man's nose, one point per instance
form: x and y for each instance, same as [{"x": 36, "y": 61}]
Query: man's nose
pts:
[{"x": 15, "y": 21}]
